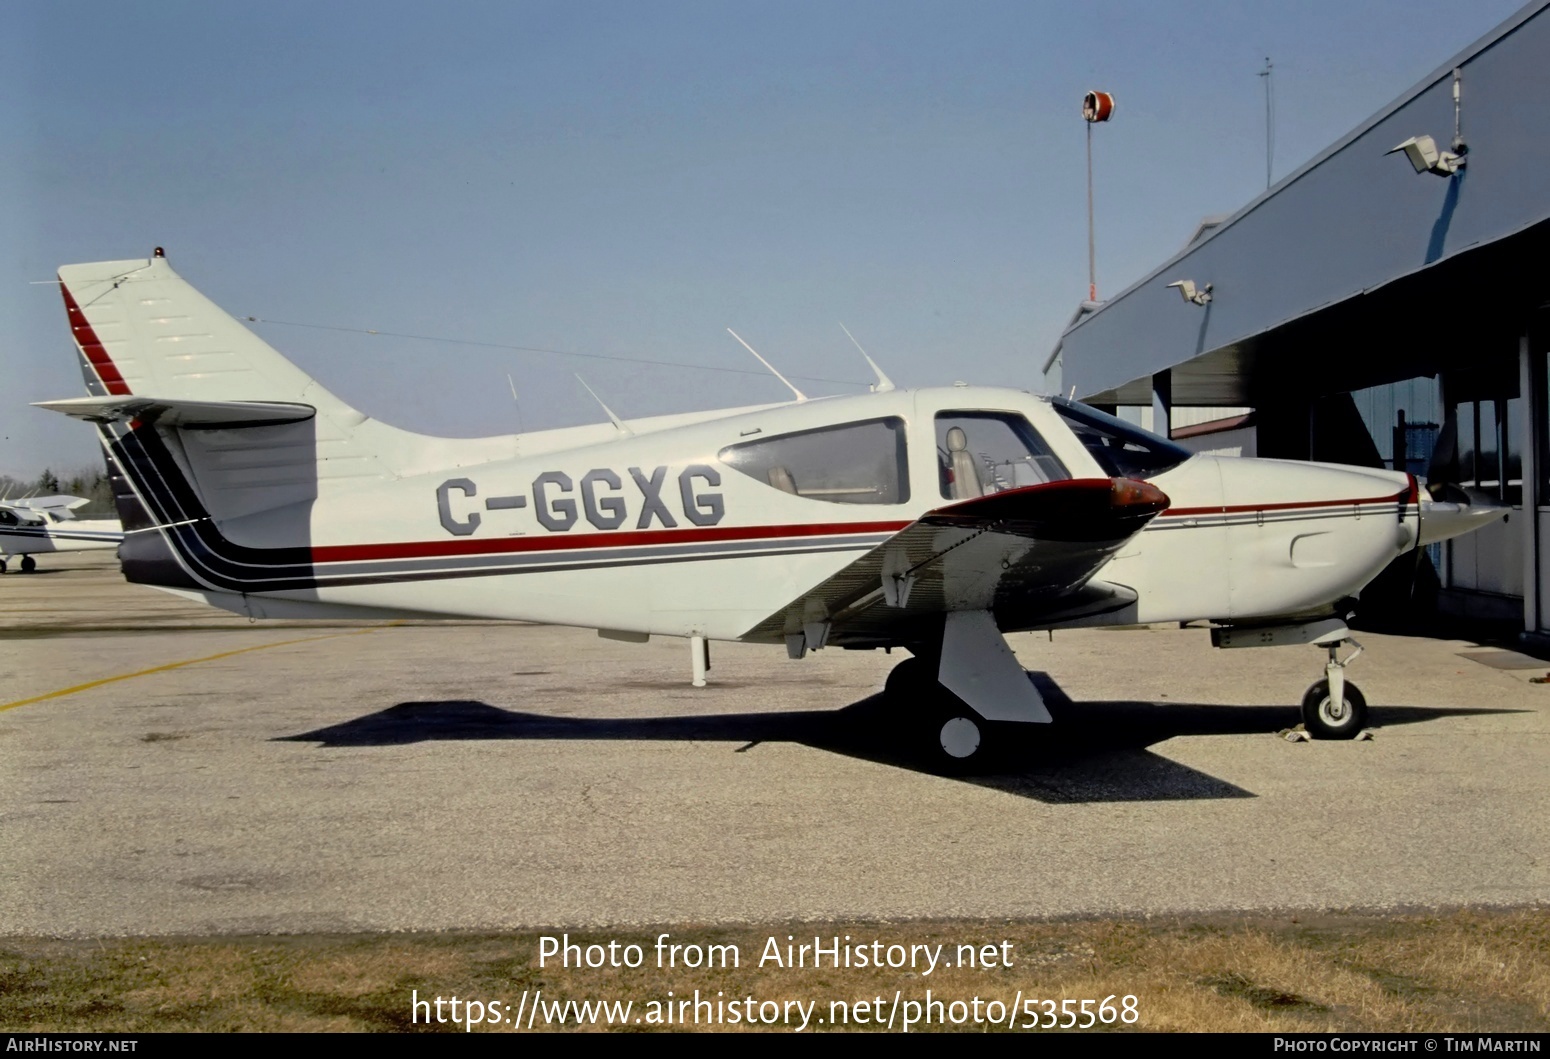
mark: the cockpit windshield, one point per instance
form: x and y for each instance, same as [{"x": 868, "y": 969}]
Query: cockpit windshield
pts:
[{"x": 1122, "y": 449}]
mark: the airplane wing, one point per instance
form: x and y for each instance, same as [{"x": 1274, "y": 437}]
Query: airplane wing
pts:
[{"x": 1028, "y": 555}]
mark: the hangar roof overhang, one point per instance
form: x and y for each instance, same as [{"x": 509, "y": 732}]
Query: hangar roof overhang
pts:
[{"x": 1355, "y": 269}]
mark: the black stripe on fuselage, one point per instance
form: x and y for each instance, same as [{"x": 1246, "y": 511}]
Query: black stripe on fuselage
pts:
[{"x": 174, "y": 510}]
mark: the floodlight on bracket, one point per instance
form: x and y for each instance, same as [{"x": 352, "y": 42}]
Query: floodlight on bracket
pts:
[
  {"x": 1426, "y": 158},
  {"x": 1186, "y": 287},
  {"x": 1424, "y": 155}
]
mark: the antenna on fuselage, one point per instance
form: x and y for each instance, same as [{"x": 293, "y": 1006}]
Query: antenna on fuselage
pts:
[
  {"x": 613, "y": 418},
  {"x": 884, "y": 383},
  {"x": 800, "y": 395},
  {"x": 514, "y": 400}
]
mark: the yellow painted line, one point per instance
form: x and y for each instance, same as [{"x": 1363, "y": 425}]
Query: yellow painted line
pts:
[{"x": 188, "y": 662}]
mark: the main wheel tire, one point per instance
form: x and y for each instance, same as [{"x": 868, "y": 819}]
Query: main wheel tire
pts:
[
  {"x": 29, "y": 564},
  {"x": 959, "y": 734},
  {"x": 1325, "y": 719},
  {"x": 912, "y": 681},
  {"x": 954, "y": 737},
  {"x": 2, "y": 566}
]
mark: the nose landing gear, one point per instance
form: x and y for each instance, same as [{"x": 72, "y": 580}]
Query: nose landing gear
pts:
[{"x": 1334, "y": 708}]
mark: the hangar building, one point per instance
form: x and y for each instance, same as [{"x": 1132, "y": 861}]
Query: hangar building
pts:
[{"x": 1362, "y": 300}]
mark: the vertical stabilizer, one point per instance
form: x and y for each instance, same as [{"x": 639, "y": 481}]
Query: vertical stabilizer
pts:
[{"x": 142, "y": 329}]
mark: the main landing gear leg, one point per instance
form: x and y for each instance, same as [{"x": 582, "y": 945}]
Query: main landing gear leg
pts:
[
  {"x": 1334, "y": 708},
  {"x": 699, "y": 660},
  {"x": 954, "y": 691}
]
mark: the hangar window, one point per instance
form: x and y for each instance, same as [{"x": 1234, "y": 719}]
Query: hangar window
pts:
[
  {"x": 979, "y": 453},
  {"x": 1122, "y": 449},
  {"x": 852, "y": 463},
  {"x": 1489, "y": 457}
]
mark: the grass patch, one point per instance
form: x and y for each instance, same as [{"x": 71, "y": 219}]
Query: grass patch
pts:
[{"x": 1448, "y": 972}]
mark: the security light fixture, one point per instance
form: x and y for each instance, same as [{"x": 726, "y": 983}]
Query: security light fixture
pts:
[
  {"x": 1426, "y": 158},
  {"x": 1422, "y": 150},
  {"x": 1194, "y": 297}
]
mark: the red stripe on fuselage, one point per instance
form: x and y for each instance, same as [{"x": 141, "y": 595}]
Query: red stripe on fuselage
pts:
[
  {"x": 91, "y": 346},
  {"x": 1404, "y": 496},
  {"x": 340, "y": 553}
]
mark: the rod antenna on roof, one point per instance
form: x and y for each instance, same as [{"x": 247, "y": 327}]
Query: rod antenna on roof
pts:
[
  {"x": 800, "y": 395},
  {"x": 1270, "y": 121},
  {"x": 515, "y": 400},
  {"x": 884, "y": 383},
  {"x": 612, "y": 418}
]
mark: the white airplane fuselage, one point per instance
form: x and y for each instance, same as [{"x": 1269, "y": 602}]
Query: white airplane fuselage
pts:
[
  {"x": 29, "y": 533},
  {"x": 932, "y": 519},
  {"x": 651, "y": 532}
]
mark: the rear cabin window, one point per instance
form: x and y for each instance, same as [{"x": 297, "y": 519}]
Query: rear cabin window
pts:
[
  {"x": 853, "y": 463},
  {"x": 979, "y": 453},
  {"x": 1122, "y": 449}
]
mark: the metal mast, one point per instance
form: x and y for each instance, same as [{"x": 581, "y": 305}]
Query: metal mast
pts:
[
  {"x": 1270, "y": 127},
  {"x": 1096, "y": 107}
]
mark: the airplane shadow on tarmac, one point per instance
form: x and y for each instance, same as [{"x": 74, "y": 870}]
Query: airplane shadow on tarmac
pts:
[{"x": 1094, "y": 752}]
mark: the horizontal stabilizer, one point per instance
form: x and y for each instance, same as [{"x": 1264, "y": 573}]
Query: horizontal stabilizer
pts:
[
  {"x": 181, "y": 412},
  {"x": 48, "y": 503}
]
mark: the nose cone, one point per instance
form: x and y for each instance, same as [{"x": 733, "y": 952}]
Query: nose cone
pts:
[{"x": 1441, "y": 520}]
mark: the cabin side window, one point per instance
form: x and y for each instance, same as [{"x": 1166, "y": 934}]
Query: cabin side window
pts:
[
  {"x": 979, "y": 453},
  {"x": 852, "y": 463},
  {"x": 1122, "y": 449}
]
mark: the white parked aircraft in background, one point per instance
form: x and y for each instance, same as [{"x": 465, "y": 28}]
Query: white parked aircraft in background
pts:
[
  {"x": 48, "y": 524},
  {"x": 934, "y": 520}
]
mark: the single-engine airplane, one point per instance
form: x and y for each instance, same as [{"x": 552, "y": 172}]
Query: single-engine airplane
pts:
[
  {"x": 934, "y": 519},
  {"x": 48, "y": 524}
]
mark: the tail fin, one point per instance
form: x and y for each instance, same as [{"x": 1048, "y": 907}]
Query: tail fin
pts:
[
  {"x": 211, "y": 435},
  {"x": 143, "y": 330},
  {"x": 146, "y": 335}
]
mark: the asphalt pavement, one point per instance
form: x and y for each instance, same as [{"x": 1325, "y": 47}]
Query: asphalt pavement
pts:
[{"x": 170, "y": 769}]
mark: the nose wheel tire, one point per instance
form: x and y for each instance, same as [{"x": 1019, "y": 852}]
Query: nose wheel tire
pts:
[{"x": 1325, "y": 719}]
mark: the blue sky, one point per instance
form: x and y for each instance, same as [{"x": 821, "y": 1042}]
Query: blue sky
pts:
[{"x": 630, "y": 179}]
